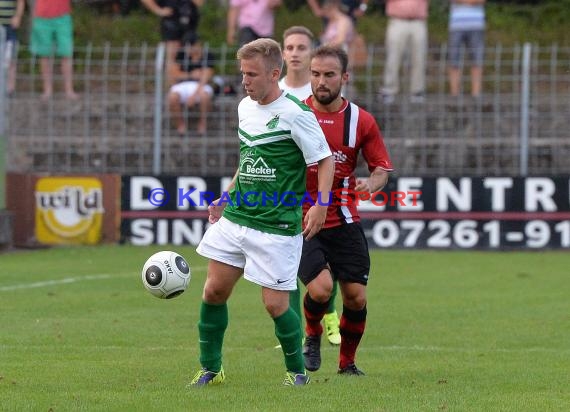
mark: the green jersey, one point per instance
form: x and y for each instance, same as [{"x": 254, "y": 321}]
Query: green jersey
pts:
[{"x": 277, "y": 142}]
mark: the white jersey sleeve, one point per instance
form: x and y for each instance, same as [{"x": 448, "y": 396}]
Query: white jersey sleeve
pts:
[{"x": 309, "y": 136}]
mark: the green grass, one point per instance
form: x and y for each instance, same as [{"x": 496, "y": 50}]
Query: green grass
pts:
[{"x": 450, "y": 331}]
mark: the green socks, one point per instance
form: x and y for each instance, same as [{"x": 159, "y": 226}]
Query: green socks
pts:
[
  {"x": 211, "y": 328},
  {"x": 332, "y": 307},
  {"x": 288, "y": 331},
  {"x": 295, "y": 300}
]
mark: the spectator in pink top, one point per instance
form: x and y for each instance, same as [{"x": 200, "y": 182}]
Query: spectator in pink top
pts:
[
  {"x": 52, "y": 33},
  {"x": 339, "y": 30},
  {"x": 251, "y": 19},
  {"x": 406, "y": 32}
]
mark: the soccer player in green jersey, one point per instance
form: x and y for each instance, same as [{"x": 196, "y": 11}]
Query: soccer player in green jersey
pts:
[
  {"x": 256, "y": 230},
  {"x": 298, "y": 44}
]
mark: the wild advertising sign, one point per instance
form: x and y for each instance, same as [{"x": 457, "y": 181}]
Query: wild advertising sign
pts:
[{"x": 69, "y": 210}]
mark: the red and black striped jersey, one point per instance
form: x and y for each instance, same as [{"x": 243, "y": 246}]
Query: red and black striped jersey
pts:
[{"x": 349, "y": 131}]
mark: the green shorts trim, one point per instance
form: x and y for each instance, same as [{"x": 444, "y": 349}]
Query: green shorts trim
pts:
[{"x": 52, "y": 36}]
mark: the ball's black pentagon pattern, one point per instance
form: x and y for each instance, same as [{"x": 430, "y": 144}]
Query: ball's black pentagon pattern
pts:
[
  {"x": 174, "y": 294},
  {"x": 153, "y": 275},
  {"x": 182, "y": 265}
]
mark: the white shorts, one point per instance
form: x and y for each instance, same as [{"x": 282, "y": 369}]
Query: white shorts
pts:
[
  {"x": 187, "y": 89},
  {"x": 268, "y": 260}
]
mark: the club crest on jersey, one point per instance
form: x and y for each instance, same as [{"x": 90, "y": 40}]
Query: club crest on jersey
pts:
[
  {"x": 272, "y": 124},
  {"x": 339, "y": 156}
]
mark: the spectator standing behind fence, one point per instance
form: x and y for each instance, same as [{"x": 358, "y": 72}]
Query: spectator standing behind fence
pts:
[
  {"x": 52, "y": 33},
  {"x": 194, "y": 71},
  {"x": 178, "y": 17},
  {"x": 357, "y": 50},
  {"x": 11, "y": 12},
  {"x": 354, "y": 8},
  {"x": 251, "y": 20},
  {"x": 466, "y": 27},
  {"x": 339, "y": 29},
  {"x": 406, "y": 32}
]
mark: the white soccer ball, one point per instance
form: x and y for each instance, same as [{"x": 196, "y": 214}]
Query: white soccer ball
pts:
[{"x": 166, "y": 274}]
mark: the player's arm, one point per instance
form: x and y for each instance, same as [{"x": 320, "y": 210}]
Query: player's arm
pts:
[
  {"x": 376, "y": 156},
  {"x": 317, "y": 214},
  {"x": 377, "y": 180},
  {"x": 216, "y": 208}
]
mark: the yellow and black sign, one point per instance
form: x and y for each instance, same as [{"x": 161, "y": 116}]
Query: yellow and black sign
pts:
[{"x": 69, "y": 210}]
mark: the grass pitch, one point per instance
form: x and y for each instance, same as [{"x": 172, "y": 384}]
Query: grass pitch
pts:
[{"x": 457, "y": 331}]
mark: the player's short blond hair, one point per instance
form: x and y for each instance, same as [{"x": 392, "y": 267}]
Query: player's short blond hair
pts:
[{"x": 267, "y": 48}]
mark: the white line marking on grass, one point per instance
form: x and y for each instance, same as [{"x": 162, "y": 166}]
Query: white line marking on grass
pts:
[
  {"x": 77, "y": 279},
  {"x": 52, "y": 282}
]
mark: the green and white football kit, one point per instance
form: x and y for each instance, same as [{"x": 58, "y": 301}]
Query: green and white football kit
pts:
[{"x": 277, "y": 142}]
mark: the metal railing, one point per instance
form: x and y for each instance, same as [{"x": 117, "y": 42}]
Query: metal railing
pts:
[{"x": 121, "y": 123}]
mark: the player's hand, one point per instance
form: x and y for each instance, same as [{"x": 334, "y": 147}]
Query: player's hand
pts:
[
  {"x": 215, "y": 210},
  {"x": 314, "y": 221},
  {"x": 362, "y": 185}
]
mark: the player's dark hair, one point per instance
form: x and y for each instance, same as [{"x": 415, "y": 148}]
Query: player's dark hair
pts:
[{"x": 332, "y": 51}]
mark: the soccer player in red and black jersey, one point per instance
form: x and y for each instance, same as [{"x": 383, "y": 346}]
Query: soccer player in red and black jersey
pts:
[{"x": 340, "y": 249}]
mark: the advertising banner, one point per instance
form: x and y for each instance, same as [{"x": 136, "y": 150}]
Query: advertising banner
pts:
[
  {"x": 410, "y": 212},
  {"x": 67, "y": 209}
]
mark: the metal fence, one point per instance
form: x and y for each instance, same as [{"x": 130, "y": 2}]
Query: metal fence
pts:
[{"x": 121, "y": 123}]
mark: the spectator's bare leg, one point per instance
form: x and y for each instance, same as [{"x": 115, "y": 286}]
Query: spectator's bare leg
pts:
[
  {"x": 172, "y": 47},
  {"x": 176, "y": 112},
  {"x": 205, "y": 106},
  {"x": 47, "y": 77},
  {"x": 454, "y": 79},
  {"x": 476, "y": 76},
  {"x": 67, "y": 73}
]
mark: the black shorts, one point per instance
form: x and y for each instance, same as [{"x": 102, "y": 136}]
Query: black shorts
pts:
[
  {"x": 171, "y": 29},
  {"x": 343, "y": 248},
  {"x": 246, "y": 34}
]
